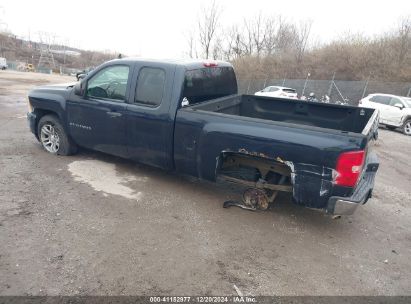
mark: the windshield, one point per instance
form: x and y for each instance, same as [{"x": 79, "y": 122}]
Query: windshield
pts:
[
  {"x": 209, "y": 83},
  {"x": 407, "y": 102}
]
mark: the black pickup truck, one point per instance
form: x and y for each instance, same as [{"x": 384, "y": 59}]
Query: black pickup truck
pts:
[{"x": 186, "y": 116}]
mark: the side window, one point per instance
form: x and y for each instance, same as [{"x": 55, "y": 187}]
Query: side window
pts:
[
  {"x": 381, "y": 99},
  {"x": 110, "y": 83},
  {"x": 395, "y": 101},
  {"x": 150, "y": 86}
]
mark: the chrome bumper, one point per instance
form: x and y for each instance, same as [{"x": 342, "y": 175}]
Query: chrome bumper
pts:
[{"x": 344, "y": 207}]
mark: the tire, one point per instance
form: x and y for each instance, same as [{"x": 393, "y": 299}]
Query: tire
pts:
[
  {"x": 406, "y": 128},
  {"x": 392, "y": 128},
  {"x": 53, "y": 138}
]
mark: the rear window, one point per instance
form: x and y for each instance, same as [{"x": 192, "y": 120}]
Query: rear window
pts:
[
  {"x": 289, "y": 90},
  {"x": 209, "y": 83}
]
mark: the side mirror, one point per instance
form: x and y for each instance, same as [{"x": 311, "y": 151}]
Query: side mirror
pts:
[
  {"x": 399, "y": 106},
  {"x": 79, "y": 88}
]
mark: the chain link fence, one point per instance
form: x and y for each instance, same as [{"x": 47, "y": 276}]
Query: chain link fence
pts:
[
  {"x": 337, "y": 90},
  {"x": 22, "y": 66}
]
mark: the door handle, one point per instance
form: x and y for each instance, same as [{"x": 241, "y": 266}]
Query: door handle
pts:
[{"x": 114, "y": 114}]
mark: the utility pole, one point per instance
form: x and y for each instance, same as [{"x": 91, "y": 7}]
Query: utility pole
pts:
[
  {"x": 248, "y": 88},
  {"x": 365, "y": 87},
  {"x": 331, "y": 85},
  {"x": 305, "y": 83}
]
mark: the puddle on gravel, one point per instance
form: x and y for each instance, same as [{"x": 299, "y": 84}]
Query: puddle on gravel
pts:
[{"x": 103, "y": 176}]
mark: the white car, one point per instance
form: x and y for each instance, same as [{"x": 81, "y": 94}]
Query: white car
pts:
[
  {"x": 395, "y": 111},
  {"x": 3, "y": 63},
  {"x": 275, "y": 91}
]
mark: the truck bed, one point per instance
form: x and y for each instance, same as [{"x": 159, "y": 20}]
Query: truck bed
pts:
[
  {"x": 307, "y": 136},
  {"x": 297, "y": 112}
]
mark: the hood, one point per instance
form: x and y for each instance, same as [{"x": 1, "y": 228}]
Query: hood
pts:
[
  {"x": 58, "y": 92},
  {"x": 62, "y": 85},
  {"x": 54, "y": 88}
]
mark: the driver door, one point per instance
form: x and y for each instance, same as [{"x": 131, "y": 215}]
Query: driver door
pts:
[{"x": 97, "y": 120}]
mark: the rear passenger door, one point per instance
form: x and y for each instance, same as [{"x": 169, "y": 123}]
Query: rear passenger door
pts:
[{"x": 149, "y": 123}]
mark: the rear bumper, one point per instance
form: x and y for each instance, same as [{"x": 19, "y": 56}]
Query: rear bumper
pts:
[{"x": 347, "y": 205}]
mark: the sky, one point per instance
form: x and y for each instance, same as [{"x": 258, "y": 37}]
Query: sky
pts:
[{"x": 158, "y": 28}]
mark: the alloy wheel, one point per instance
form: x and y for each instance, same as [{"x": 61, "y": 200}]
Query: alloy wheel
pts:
[{"x": 49, "y": 138}]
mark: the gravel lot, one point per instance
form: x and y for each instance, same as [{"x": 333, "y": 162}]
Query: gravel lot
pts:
[{"x": 92, "y": 224}]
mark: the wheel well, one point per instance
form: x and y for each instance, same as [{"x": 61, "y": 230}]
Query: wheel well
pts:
[
  {"x": 407, "y": 119},
  {"x": 40, "y": 113},
  {"x": 250, "y": 169}
]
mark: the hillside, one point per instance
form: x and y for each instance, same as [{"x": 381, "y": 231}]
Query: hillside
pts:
[{"x": 19, "y": 50}]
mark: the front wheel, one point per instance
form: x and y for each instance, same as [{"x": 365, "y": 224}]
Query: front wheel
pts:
[
  {"x": 406, "y": 128},
  {"x": 53, "y": 138}
]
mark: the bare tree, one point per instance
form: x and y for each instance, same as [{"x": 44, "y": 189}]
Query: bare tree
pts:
[
  {"x": 286, "y": 37},
  {"x": 255, "y": 35},
  {"x": 271, "y": 46},
  {"x": 191, "y": 43},
  {"x": 404, "y": 39},
  {"x": 234, "y": 40},
  {"x": 280, "y": 36},
  {"x": 207, "y": 27},
  {"x": 271, "y": 30},
  {"x": 258, "y": 33},
  {"x": 247, "y": 43},
  {"x": 217, "y": 48},
  {"x": 303, "y": 31}
]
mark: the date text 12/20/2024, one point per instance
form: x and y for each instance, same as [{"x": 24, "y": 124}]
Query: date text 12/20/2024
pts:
[{"x": 201, "y": 299}]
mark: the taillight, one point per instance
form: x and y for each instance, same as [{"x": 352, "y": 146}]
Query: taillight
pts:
[{"x": 349, "y": 167}]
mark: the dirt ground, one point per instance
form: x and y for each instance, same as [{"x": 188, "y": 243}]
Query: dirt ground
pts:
[{"x": 92, "y": 224}]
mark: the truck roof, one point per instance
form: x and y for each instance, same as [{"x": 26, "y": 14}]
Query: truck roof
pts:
[{"x": 186, "y": 63}]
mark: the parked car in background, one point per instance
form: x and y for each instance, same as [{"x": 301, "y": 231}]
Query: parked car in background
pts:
[
  {"x": 395, "y": 111},
  {"x": 3, "y": 63},
  {"x": 275, "y": 91}
]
